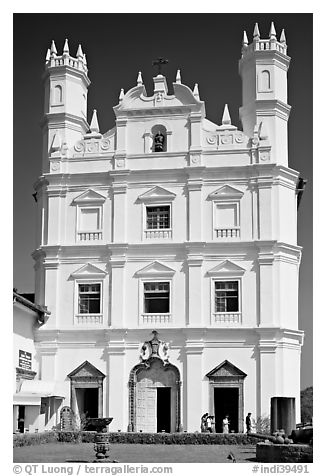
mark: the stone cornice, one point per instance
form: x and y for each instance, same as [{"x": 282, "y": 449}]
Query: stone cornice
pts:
[{"x": 63, "y": 119}]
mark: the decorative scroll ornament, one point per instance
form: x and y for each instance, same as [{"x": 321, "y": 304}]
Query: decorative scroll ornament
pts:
[
  {"x": 55, "y": 166},
  {"x": 211, "y": 139},
  {"x": 155, "y": 348}
]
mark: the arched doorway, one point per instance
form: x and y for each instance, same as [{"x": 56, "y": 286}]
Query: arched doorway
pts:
[{"x": 154, "y": 397}]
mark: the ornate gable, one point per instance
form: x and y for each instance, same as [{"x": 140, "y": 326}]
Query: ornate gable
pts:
[
  {"x": 90, "y": 196},
  {"x": 155, "y": 269},
  {"x": 86, "y": 370},
  {"x": 226, "y": 369},
  {"x": 226, "y": 268},
  {"x": 157, "y": 194},
  {"x": 226, "y": 192},
  {"x": 88, "y": 271}
]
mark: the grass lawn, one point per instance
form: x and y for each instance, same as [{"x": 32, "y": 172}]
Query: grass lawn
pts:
[{"x": 125, "y": 453}]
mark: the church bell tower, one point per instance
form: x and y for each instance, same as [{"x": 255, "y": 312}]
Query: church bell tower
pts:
[
  {"x": 65, "y": 104},
  {"x": 263, "y": 69}
]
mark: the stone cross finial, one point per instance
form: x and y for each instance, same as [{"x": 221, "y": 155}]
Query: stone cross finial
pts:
[{"x": 159, "y": 63}]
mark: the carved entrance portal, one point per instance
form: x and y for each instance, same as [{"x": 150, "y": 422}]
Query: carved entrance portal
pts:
[
  {"x": 86, "y": 391},
  {"x": 226, "y": 396},
  {"x": 154, "y": 391}
]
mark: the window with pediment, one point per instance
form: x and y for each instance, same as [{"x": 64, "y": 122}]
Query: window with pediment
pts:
[
  {"x": 88, "y": 298},
  {"x": 155, "y": 294},
  {"x": 226, "y": 294},
  {"x": 226, "y": 213},
  {"x": 89, "y": 219},
  {"x": 157, "y": 213}
]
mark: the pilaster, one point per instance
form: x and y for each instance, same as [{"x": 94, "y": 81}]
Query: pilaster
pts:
[
  {"x": 266, "y": 287},
  {"x": 117, "y": 391},
  {"x": 194, "y": 187},
  {"x": 193, "y": 384},
  {"x": 119, "y": 192},
  {"x": 118, "y": 287}
]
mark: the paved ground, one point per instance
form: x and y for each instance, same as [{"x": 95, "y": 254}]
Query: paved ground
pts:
[{"x": 123, "y": 453}]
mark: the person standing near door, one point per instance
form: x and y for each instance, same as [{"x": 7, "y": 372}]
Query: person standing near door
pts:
[
  {"x": 249, "y": 423},
  {"x": 226, "y": 423}
]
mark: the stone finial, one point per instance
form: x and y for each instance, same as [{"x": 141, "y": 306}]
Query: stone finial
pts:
[
  {"x": 178, "y": 77},
  {"x": 282, "y": 38},
  {"x": 48, "y": 54},
  {"x": 80, "y": 52},
  {"x": 66, "y": 48},
  {"x": 226, "y": 119},
  {"x": 53, "y": 50},
  {"x": 196, "y": 91},
  {"x": 256, "y": 32},
  {"x": 84, "y": 59},
  {"x": 245, "y": 39},
  {"x": 94, "y": 127},
  {"x": 139, "y": 79},
  {"x": 121, "y": 95},
  {"x": 272, "y": 32}
]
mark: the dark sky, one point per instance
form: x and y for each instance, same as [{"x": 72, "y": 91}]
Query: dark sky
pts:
[{"x": 206, "y": 47}]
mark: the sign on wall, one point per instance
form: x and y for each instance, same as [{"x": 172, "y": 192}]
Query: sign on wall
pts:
[{"x": 25, "y": 360}]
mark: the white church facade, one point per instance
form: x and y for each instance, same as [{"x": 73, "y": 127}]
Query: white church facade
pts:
[{"x": 173, "y": 224}]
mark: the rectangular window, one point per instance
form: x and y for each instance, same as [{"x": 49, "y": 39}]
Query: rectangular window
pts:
[
  {"x": 89, "y": 298},
  {"x": 226, "y": 296},
  {"x": 90, "y": 219},
  {"x": 157, "y": 217},
  {"x": 156, "y": 298}
]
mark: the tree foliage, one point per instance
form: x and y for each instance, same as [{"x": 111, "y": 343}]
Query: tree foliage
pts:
[{"x": 306, "y": 405}]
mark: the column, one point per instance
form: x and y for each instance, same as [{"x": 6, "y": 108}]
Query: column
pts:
[
  {"x": 193, "y": 385},
  {"x": 100, "y": 398}
]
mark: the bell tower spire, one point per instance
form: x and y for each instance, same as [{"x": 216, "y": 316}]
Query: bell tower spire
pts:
[
  {"x": 263, "y": 69},
  {"x": 65, "y": 105}
]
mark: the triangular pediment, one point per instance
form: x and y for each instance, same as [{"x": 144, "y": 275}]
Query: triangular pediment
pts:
[
  {"x": 226, "y": 192},
  {"x": 226, "y": 369},
  {"x": 155, "y": 269},
  {"x": 89, "y": 271},
  {"x": 90, "y": 196},
  {"x": 157, "y": 194},
  {"x": 226, "y": 268},
  {"x": 86, "y": 370}
]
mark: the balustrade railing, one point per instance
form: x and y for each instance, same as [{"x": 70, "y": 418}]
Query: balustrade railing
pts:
[
  {"x": 225, "y": 318},
  {"x": 89, "y": 319},
  {"x": 89, "y": 235},
  {"x": 156, "y": 318},
  {"x": 158, "y": 233},
  {"x": 228, "y": 232}
]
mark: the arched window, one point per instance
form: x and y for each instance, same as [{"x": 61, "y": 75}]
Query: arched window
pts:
[
  {"x": 57, "y": 94},
  {"x": 159, "y": 138},
  {"x": 265, "y": 80}
]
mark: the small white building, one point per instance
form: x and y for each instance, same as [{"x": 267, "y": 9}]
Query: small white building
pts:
[
  {"x": 172, "y": 223},
  {"x": 34, "y": 400}
]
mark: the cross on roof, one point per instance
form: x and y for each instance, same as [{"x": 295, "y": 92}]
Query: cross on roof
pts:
[{"x": 159, "y": 62}]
